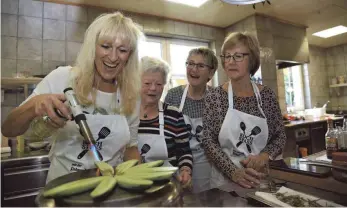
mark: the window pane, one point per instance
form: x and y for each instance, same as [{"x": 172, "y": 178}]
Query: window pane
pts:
[
  {"x": 179, "y": 51},
  {"x": 150, "y": 48}
]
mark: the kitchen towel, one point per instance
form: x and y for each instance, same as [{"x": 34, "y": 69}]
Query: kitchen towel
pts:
[{"x": 5, "y": 149}]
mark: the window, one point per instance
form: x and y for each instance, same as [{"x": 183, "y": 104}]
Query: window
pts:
[
  {"x": 173, "y": 51},
  {"x": 294, "y": 88}
]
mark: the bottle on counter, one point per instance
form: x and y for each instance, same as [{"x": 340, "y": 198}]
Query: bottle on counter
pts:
[
  {"x": 330, "y": 139},
  {"x": 40, "y": 129},
  {"x": 343, "y": 146}
]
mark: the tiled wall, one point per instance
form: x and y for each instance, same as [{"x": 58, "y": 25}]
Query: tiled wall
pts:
[
  {"x": 336, "y": 65},
  {"x": 38, "y": 36},
  {"x": 317, "y": 87}
]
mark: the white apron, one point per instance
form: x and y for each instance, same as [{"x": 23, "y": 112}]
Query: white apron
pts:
[
  {"x": 70, "y": 153},
  {"x": 201, "y": 165},
  {"x": 241, "y": 135},
  {"x": 153, "y": 147}
]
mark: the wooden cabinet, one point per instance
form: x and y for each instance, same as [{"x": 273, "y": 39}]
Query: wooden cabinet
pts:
[{"x": 317, "y": 132}]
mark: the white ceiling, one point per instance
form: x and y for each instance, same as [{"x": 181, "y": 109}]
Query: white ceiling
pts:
[{"x": 315, "y": 14}]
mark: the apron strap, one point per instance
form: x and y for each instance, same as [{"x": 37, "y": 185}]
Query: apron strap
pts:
[
  {"x": 161, "y": 118},
  {"x": 118, "y": 98},
  {"x": 184, "y": 95},
  {"x": 230, "y": 96},
  {"x": 183, "y": 100},
  {"x": 259, "y": 100}
]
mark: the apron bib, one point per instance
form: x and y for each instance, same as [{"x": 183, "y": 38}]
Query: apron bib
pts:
[
  {"x": 241, "y": 135},
  {"x": 70, "y": 152},
  {"x": 153, "y": 147},
  {"x": 201, "y": 165}
]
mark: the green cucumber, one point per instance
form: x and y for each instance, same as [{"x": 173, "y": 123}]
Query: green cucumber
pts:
[
  {"x": 133, "y": 184},
  {"x": 104, "y": 187},
  {"x": 121, "y": 168},
  {"x": 74, "y": 187},
  {"x": 105, "y": 169}
]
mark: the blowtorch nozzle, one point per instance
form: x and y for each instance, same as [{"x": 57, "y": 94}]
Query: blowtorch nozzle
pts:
[{"x": 79, "y": 116}]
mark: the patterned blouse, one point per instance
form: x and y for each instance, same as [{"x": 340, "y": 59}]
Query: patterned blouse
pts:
[
  {"x": 176, "y": 135},
  {"x": 215, "y": 110}
]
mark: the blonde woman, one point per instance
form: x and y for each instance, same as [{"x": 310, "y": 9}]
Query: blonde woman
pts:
[{"x": 105, "y": 80}]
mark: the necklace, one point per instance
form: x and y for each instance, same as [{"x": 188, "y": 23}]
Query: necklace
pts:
[{"x": 145, "y": 115}]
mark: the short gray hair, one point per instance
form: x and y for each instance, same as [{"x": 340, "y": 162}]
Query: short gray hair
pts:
[{"x": 152, "y": 65}]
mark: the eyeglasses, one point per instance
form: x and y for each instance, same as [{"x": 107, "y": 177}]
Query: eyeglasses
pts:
[
  {"x": 199, "y": 66},
  {"x": 238, "y": 57}
]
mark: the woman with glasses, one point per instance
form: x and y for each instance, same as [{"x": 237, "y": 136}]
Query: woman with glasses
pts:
[
  {"x": 243, "y": 125},
  {"x": 201, "y": 65},
  {"x": 162, "y": 134}
]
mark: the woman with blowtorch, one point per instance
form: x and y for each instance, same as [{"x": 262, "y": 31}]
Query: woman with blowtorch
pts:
[{"x": 105, "y": 82}]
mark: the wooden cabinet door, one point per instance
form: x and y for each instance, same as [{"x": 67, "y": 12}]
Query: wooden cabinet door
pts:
[{"x": 318, "y": 131}]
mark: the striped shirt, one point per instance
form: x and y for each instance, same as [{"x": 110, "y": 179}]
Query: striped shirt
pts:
[{"x": 176, "y": 135}]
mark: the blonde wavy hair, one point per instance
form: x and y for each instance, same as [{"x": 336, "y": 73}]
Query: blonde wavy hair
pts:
[{"x": 109, "y": 27}]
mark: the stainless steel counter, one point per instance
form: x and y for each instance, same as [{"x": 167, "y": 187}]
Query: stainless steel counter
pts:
[{"x": 23, "y": 174}]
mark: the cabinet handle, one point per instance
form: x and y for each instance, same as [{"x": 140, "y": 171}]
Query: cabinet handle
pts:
[
  {"x": 26, "y": 171},
  {"x": 35, "y": 193},
  {"x": 316, "y": 128}
]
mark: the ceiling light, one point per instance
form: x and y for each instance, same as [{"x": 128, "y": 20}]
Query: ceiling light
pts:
[
  {"x": 331, "y": 31},
  {"x": 243, "y": 2},
  {"x": 193, "y": 3}
]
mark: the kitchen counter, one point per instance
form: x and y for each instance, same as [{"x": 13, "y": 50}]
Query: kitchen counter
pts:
[
  {"x": 18, "y": 158},
  {"x": 303, "y": 122}
]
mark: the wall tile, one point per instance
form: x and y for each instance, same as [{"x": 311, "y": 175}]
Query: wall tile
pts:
[
  {"x": 151, "y": 25},
  {"x": 77, "y": 14},
  {"x": 5, "y": 110},
  {"x": 29, "y": 27},
  {"x": 249, "y": 23},
  {"x": 8, "y": 67},
  {"x": 54, "y": 50},
  {"x": 75, "y": 31},
  {"x": 168, "y": 26},
  {"x": 207, "y": 32},
  {"x": 20, "y": 97},
  {"x": 340, "y": 59},
  {"x": 329, "y": 60},
  {"x": 345, "y": 48},
  {"x": 9, "y": 24},
  {"x": 194, "y": 30},
  {"x": 181, "y": 28},
  {"x": 10, "y": 99},
  {"x": 29, "y": 49},
  {"x": 263, "y": 23},
  {"x": 8, "y": 47},
  {"x": 9, "y": 6},
  {"x": 54, "y": 11},
  {"x": 30, "y": 8},
  {"x": 34, "y": 67},
  {"x": 265, "y": 39},
  {"x": 340, "y": 70},
  {"x": 72, "y": 49},
  {"x": 53, "y": 29},
  {"x": 93, "y": 13},
  {"x": 48, "y": 66}
]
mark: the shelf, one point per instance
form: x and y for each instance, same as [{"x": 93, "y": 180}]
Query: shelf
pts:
[
  {"x": 338, "y": 85},
  {"x": 19, "y": 81},
  {"x": 10, "y": 82}
]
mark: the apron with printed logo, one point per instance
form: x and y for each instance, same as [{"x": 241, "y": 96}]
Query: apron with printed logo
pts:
[
  {"x": 201, "y": 165},
  {"x": 241, "y": 135},
  {"x": 70, "y": 152}
]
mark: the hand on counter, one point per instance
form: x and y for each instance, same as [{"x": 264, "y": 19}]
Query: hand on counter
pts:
[
  {"x": 247, "y": 177},
  {"x": 185, "y": 176},
  {"x": 256, "y": 162}
]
